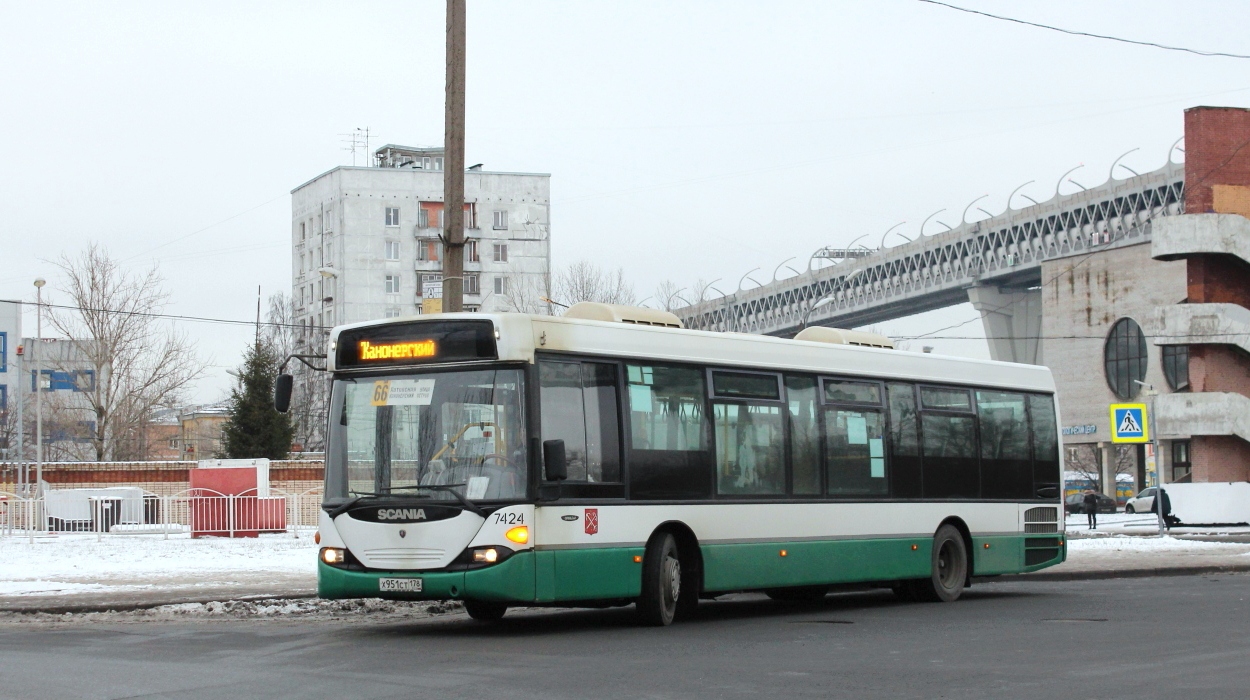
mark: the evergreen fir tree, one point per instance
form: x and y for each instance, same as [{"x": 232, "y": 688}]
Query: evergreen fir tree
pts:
[{"x": 255, "y": 429}]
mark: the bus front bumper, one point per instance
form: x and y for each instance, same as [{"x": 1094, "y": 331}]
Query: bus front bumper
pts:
[{"x": 509, "y": 581}]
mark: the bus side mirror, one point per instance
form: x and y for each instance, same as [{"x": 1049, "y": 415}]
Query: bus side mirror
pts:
[
  {"x": 553, "y": 460},
  {"x": 282, "y": 392}
]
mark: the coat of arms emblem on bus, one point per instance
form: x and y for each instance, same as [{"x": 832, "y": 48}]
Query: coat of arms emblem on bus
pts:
[{"x": 592, "y": 521}]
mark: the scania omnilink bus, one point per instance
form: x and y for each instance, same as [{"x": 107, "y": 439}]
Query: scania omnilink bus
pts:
[{"x": 611, "y": 457}]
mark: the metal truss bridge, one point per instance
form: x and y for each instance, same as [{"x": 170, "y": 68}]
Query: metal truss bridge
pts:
[{"x": 985, "y": 262}]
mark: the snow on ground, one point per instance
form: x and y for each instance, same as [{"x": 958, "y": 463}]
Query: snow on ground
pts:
[
  {"x": 1078, "y": 546},
  {"x": 73, "y": 563}
]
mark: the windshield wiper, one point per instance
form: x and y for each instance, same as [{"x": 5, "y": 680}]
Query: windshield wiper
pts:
[{"x": 449, "y": 488}]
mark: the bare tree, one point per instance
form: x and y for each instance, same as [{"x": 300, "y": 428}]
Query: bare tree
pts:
[
  {"x": 586, "y": 281},
  {"x": 139, "y": 362},
  {"x": 669, "y": 296},
  {"x": 310, "y": 396},
  {"x": 528, "y": 294}
]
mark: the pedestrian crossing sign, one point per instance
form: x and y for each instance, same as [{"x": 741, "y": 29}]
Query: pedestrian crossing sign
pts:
[{"x": 1128, "y": 422}]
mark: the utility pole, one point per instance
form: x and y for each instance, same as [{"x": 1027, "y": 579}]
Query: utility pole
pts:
[
  {"x": 39, "y": 282},
  {"x": 453, "y": 171}
]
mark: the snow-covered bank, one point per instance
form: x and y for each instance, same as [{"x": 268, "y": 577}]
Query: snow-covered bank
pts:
[{"x": 67, "y": 564}]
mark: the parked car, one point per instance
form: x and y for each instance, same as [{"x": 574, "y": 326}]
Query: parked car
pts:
[
  {"x": 1143, "y": 502},
  {"x": 1075, "y": 504}
]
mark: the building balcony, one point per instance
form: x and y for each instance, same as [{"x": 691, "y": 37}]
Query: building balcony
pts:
[
  {"x": 1203, "y": 324},
  {"x": 1177, "y": 237},
  {"x": 1207, "y": 413}
]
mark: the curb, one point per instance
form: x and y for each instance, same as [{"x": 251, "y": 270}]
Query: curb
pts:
[
  {"x": 1119, "y": 573},
  {"x": 145, "y": 605}
]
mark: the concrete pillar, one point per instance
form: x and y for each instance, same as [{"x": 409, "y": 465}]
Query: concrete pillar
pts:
[
  {"x": 1107, "y": 451},
  {"x": 1012, "y": 320}
]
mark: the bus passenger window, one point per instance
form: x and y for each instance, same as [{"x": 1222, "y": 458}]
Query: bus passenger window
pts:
[
  {"x": 669, "y": 456},
  {"x": 563, "y": 417},
  {"x": 666, "y": 408},
  {"x": 905, "y": 471},
  {"x": 579, "y": 407},
  {"x": 804, "y": 436},
  {"x": 1045, "y": 442},
  {"x": 855, "y": 452},
  {"x": 603, "y": 443},
  {"x": 1006, "y": 471},
  {"x": 950, "y": 456},
  {"x": 750, "y": 449}
]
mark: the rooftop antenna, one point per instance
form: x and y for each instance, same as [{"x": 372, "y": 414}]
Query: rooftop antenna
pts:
[
  {"x": 358, "y": 139},
  {"x": 365, "y": 132}
]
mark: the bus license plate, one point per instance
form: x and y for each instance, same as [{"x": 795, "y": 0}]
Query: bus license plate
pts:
[{"x": 400, "y": 585}]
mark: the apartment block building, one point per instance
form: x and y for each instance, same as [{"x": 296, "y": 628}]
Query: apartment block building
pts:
[{"x": 366, "y": 242}]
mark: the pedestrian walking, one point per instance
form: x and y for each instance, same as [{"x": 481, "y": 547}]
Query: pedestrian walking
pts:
[{"x": 1091, "y": 508}]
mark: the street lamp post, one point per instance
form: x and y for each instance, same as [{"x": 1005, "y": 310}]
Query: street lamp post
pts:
[
  {"x": 39, "y": 282},
  {"x": 1154, "y": 443}
]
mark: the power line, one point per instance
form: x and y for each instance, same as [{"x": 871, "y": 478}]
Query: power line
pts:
[
  {"x": 236, "y": 322},
  {"x": 1073, "y": 32},
  {"x": 174, "y": 317}
]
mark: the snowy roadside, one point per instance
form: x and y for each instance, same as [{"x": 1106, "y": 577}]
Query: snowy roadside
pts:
[
  {"x": 279, "y": 609},
  {"x": 1147, "y": 524},
  {"x": 70, "y": 569}
]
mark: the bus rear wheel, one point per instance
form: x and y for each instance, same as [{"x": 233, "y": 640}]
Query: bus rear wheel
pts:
[
  {"x": 661, "y": 582},
  {"x": 485, "y": 611},
  {"x": 950, "y": 568}
]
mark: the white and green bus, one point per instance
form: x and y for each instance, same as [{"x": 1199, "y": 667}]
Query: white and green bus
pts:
[{"x": 611, "y": 457}]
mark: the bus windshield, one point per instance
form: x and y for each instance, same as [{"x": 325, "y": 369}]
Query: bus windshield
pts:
[{"x": 390, "y": 434}]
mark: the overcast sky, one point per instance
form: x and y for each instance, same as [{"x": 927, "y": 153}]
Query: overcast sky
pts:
[{"x": 684, "y": 139}]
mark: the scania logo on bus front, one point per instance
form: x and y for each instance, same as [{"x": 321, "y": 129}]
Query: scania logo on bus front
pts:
[{"x": 405, "y": 514}]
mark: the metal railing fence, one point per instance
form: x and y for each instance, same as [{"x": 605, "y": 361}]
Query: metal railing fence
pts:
[{"x": 132, "y": 511}]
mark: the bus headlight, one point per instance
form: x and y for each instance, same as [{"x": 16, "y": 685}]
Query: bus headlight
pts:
[
  {"x": 333, "y": 555},
  {"x": 480, "y": 557}
]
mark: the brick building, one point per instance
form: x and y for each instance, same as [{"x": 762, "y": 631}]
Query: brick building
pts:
[
  {"x": 1209, "y": 329},
  {"x": 1171, "y": 311}
]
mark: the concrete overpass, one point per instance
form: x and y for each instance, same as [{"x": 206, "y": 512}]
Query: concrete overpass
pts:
[{"x": 994, "y": 263}]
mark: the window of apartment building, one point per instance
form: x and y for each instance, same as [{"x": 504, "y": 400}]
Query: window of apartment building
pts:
[
  {"x": 1176, "y": 366},
  {"x": 472, "y": 308},
  {"x": 329, "y": 220},
  {"x": 301, "y": 263},
  {"x": 429, "y": 249},
  {"x": 470, "y": 251},
  {"x": 392, "y": 284},
  {"x": 500, "y": 251},
  {"x": 392, "y": 250},
  {"x": 470, "y": 215},
  {"x": 430, "y": 215},
  {"x": 392, "y": 312},
  {"x": 501, "y": 285},
  {"x": 303, "y": 232},
  {"x": 472, "y": 284},
  {"x": 392, "y": 216},
  {"x": 500, "y": 222},
  {"x": 320, "y": 226}
]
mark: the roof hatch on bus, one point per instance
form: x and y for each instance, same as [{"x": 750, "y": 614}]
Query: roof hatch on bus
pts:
[
  {"x": 595, "y": 311},
  {"x": 840, "y": 336}
]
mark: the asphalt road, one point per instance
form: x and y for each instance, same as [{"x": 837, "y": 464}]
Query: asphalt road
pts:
[{"x": 1183, "y": 636}]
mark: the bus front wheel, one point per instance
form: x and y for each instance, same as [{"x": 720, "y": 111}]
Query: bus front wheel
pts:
[
  {"x": 485, "y": 611},
  {"x": 950, "y": 568},
  {"x": 661, "y": 582}
]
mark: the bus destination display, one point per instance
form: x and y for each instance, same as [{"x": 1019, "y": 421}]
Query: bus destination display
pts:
[{"x": 416, "y": 343}]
